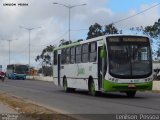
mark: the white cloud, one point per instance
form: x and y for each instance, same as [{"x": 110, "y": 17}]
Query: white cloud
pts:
[{"x": 53, "y": 20}]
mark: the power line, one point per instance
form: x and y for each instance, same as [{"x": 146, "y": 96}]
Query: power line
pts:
[
  {"x": 136, "y": 14},
  {"x": 124, "y": 18},
  {"x": 57, "y": 39}
]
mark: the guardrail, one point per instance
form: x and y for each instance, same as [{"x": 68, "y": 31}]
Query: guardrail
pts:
[
  {"x": 41, "y": 78},
  {"x": 156, "y": 86}
]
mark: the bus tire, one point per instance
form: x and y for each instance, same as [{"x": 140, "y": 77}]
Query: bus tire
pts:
[
  {"x": 131, "y": 94},
  {"x": 158, "y": 77},
  {"x": 65, "y": 86},
  {"x": 92, "y": 90}
]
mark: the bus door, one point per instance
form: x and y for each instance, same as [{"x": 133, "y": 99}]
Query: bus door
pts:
[
  {"x": 99, "y": 68},
  {"x": 59, "y": 68}
]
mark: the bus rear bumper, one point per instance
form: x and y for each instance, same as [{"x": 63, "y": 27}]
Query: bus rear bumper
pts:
[
  {"x": 16, "y": 76},
  {"x": 21, "y": 77},
  {"x": 110, "y": 86}
]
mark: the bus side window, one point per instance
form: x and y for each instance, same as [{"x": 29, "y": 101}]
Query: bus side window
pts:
[
  {"x": 78, "y": 54},
  {"x": 67, "y": 55},
  {"x": 63, "y": 56},
  {"x": 85, "y": 50},
  {"x": 93, "y": 52},
  {"x": 55, "y": 57},
  {"x": 72, "y": 55}
]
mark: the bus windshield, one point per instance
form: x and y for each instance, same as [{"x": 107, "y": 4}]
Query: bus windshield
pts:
[
  {"x": 129, "y": 57},
  {"x": 21, "y": 69},
  {"x": 10, "y": 67}
]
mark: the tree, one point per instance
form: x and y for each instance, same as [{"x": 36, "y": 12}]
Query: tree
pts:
[
  {"x": 137, "y": 29},
  {"x": 46, "y": 70},
  {"x": 45, "y": 58},
  {"x": 110, "y": 29},
  {"x": 152, "y": 31},
  {"x": 64, "y": 42},
  {"x": 95, "y": 31}
]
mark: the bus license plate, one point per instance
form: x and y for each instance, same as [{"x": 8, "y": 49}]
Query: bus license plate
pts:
[{"x": 131, "y": 85}]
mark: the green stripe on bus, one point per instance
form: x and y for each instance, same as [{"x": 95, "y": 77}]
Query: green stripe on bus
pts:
[
  {"x": 110, "y": 86},
  {"x": 66, "y": 46}
]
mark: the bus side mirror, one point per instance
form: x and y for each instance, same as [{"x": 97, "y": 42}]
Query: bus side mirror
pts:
[{"x": 103, "y": 53}]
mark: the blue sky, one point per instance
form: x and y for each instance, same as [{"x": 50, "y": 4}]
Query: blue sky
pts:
[{"x": 125, "y": 5}]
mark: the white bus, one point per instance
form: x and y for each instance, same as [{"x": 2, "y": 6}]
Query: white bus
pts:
[{"x": 105, "y": 64}]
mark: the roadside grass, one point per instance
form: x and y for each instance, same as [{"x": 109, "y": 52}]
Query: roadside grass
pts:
[{"x": 31, "y": 111}]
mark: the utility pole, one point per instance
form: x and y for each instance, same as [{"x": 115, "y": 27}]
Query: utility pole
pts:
[
  {"x": 29, "y": 31},
  {"x": 9, "y": 43},
  {"x": 69, "y": 9}
]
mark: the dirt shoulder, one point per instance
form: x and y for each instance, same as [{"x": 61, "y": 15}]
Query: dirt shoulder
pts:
[{"x": 31, "y": 110}]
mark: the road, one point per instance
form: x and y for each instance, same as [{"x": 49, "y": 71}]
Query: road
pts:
[{"x": 46, "y": 93}]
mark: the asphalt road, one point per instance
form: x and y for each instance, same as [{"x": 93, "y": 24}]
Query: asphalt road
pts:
[{"x": 46, "y": 93}]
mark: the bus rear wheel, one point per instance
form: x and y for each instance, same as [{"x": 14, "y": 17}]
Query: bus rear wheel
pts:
[{"x": 131, "y": 94}]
